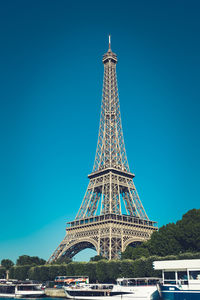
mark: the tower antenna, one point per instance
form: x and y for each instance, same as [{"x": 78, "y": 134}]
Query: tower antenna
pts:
[{"x": 109, "y": 41}]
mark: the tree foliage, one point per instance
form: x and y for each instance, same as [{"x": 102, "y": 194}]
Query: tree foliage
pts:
[
  {"x": 29, "y": 260},
  {"x": 134, "y": 253},
  {"x": 164, "y": 242},
  {"x": 97, "y": 258},
  {"x": 7, "y": 263},
  {"x": 188, "y": 232},
  {"x": 19, "y": 272},
  {"x": 2, "y": 272},
  {"x": 171, "y": 239},
  {"x": 101, "y": 271}
]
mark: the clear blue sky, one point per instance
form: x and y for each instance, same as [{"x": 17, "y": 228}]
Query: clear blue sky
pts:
[{"x": 51, "y": 77}]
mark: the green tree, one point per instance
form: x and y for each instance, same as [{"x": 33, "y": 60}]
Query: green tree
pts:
[
  {"x": 127, "y": 268},
  {"x": 102, "y": 271},
  {"x": 40, "y": 273},
  {"x": 19, "y": 272},
  {"x": 170, "y": 239},
  {"x": 97, "y": 258},
  {"x": 54, "y": 271},
  {"x": 79, "y": 268},
  {"x": 113, "y": 270},
  {"x": 140, "y": 251},
  {"x": 135, "y": 252},
  {"x": 127, "y": 254},
  {"x": 177, "y": 238},
  {"x": 90, "y": 271},
  {"x": 2, "y": 272},
  {"x": 29, "y": 260},
  {"x": 164, "y": 242},
  {"x": 62, "y": 270},
  {"x": 43, "y": 272},
  {"x": 70, "y": 269},
  {"x": 139, "y": 267},
  {"x": 188, "y": 229},
  {"x": 7, "y": 263}
]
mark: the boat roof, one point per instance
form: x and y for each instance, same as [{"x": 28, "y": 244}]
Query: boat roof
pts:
[{"x": 177, "y": 264}]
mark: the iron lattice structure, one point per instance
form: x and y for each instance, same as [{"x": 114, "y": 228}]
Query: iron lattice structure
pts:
[{"x": 100, "y": 222}]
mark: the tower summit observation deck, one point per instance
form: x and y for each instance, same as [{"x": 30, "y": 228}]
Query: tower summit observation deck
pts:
[{"x": 111, "y": 215}]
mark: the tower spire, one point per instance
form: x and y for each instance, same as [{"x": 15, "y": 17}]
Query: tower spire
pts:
[{"x": 109, "y": 38}]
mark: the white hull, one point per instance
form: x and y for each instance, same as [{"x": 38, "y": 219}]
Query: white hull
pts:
[
  {"x": 7, "y": 295},
  {"x": 137, "y": 293},
  {"x": 21, "y": 291},
  {"x": 28, "y": 295}
]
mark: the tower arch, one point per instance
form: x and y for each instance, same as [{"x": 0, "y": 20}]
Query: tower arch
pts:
[{"x": 77, "y": 246}]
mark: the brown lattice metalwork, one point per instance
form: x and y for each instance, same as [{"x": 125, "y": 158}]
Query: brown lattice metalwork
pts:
[{"x": 111, "y": 215}]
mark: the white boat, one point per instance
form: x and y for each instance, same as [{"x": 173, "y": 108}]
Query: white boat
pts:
[
  {"x": 126, "y": 288},
  {"x": 180, "y": 279},
  {"x": 14, "y": 289}
]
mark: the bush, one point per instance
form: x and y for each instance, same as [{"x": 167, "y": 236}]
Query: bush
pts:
[
  {"x": 113, "y": 270},
  {"x": 102, "y": 271},
  {"x": 90, "y": 271},
  {"x": 19, "y": 272},
  {"x": 127, "y": 268}
]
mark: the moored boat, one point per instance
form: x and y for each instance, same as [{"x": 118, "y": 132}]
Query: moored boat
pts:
[
  {"x": 126, "y": 288},
  {"x": 180, "y": 279},
  {"x": 15, "y": 289}
]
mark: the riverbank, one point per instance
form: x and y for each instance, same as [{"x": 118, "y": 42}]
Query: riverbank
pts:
[{"x": 55, "y": 293}]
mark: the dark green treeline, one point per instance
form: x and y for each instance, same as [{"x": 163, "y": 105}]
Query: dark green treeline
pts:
[{"x": 101, "y": 271}]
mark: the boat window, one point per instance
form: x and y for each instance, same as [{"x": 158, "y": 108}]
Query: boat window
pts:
[
  {"x": 27, "y": 288},
  {"x": 153, "y": 281},
  {"x": 169, "y": 278},
  {"x": 169, "y": 275},
  {"x": 182, "y": 275},
  {"x": 7, "y": 289},
  {"x": 142, "y": 282},
  {"x": 194, "y": 275},
  {"x": 131, "y": 283}
]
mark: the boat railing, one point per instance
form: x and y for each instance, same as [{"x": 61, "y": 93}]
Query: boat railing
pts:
[{"x": 178, "y": 282}]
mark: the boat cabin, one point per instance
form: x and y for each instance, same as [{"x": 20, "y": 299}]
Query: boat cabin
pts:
[
  {"x": 180, "y": 272},
  {"x": 137, "y": 281}
]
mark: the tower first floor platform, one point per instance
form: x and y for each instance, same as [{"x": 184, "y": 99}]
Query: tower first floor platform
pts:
[{"x": 108, "y": 234}]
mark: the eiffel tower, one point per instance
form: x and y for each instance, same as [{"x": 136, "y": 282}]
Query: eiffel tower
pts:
[{"x": 111, "y": 215}]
